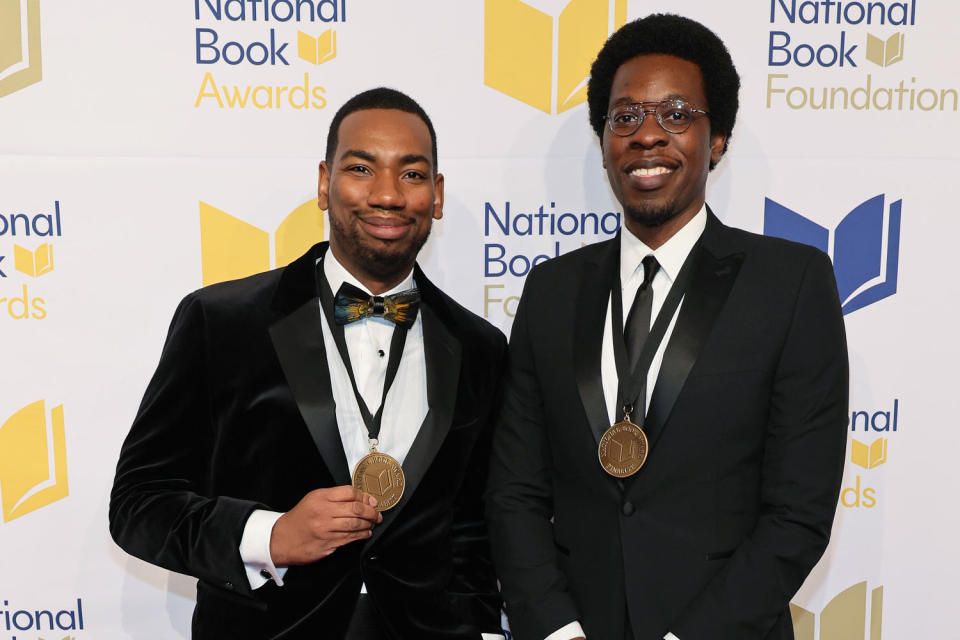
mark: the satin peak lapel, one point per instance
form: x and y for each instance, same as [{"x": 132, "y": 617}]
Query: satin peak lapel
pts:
[
  {"x": 591, "y": 314},
  {"x": 711, "y": 283},
  {"x": 442, "y": 353},
  {"x": 298, "y": 340}
]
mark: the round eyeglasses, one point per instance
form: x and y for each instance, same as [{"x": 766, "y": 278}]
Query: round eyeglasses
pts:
[{"x": 673, "y": 116}]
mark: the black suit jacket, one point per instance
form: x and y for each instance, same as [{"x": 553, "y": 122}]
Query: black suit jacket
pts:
[
  {"x": 747, "y": 431},
  {"x": 239, "y": 416}
]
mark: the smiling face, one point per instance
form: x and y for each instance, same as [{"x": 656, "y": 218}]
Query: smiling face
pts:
[
  {"x": 660, "y": 178},
  {"x": 381, "y": 194}
]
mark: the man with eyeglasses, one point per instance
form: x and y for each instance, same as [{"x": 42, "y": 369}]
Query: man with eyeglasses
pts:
[{"x": 671, "y": 443}]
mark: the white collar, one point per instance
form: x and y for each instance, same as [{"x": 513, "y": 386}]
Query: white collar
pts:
[{"x": 671, "y": 254}]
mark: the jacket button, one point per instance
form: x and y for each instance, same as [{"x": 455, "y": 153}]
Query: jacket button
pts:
[
  {"x": 627, "y": 508},
  {"x": 229, "y": 585}
]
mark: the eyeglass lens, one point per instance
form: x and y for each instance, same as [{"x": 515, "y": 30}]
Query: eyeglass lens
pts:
[{"x": 674, "y": 116}]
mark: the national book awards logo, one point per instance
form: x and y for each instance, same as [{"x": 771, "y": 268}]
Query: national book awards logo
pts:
[
  {"x": 540, "y": 51},
  {"x": 871, "y": 431},
  {"x": 232, "y": 248},
  {"x": 42, "y": 623},
  {"x": 236, "y": 43},
  {"x": 27, "y": 249},
  {"x": 856, "y": 53},
  {"x": 33, "y": 460},
  {"x": 864, "y": 246},
  {"x": 20, "y": 59}
]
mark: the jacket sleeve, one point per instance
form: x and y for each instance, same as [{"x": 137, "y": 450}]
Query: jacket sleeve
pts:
[
  {"x": 520, "y": 496},
  {"x": 474, "y": 584},
  {"x": 161, "y": 510},
  {"x": 801, "y": 472}
]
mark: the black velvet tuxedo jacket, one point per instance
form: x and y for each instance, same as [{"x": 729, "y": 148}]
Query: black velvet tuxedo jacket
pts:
[
  {"x": 747, "y": 432},
  {"x": 239, "y": 416}
]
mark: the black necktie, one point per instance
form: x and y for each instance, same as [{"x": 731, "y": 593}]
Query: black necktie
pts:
[{"x": 637, "y": 327}]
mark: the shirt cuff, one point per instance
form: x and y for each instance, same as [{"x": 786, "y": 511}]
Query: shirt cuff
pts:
[
  {"x": 670, "y": 636},
  {"x": 491, "y": 636},
  {"x": 567, "y": 632},
  {"x": 255, "y": 549}
]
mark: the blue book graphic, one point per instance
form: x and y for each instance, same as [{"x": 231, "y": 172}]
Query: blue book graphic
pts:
[{"x": 863, "y": 275}]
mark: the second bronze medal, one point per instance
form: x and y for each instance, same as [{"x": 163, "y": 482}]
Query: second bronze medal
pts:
[{"x": 623, "y": 449}]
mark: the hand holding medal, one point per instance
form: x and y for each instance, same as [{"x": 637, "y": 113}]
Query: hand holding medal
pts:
[{"x": 323, "y": 521}]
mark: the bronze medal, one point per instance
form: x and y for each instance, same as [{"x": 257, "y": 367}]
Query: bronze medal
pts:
[
  {"x": 623, "y": 449},
  {"x": 382, "y": 477}
]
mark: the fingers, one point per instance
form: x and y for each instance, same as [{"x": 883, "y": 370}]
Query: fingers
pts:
[
  {"x": 348, "y": 493},
  {"x": 354, "y": 516}
]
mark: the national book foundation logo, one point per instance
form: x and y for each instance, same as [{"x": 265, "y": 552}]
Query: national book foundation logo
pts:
[
  {"x": 231, "y": 248},
  {"x": 19, "y": 45},
  {"x": 845, "y": 617},
  {"x": 835, "y": 39},
  {"x": 864, "y": 246},
  {"x": 33, "y": 460},
  {"x": 885, "y": 52},
  {"x": 540, "y": 52}
]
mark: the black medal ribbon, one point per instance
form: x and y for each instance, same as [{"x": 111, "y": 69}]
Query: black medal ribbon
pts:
[
  {"x": 372, "y": 421},
  {"x": 631, "y": 384}
]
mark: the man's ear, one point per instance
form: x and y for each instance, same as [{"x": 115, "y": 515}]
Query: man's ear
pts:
[
  {"x": 323, "y": 186},
  {"x": 718, "y": 143},
  {"x": 438, "y": 197}
]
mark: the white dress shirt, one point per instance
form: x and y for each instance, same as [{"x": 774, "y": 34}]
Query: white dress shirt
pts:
[
  {"x": 671, "y": 256},
  {"x": 368, "y": 345},
  {"x": 406, "y": 406}
]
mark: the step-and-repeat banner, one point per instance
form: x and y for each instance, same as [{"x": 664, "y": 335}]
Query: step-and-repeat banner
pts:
[{"x": 147, "y": 149}]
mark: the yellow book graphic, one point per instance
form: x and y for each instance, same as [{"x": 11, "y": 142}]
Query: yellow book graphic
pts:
[
  {"x": 885, "y": 53},
  {"x": 870, "y": 456},
  {"x": 317, "y": 50},
  {"x": 33, "y": 263},
  {"x": 844, "y": 617},
  {"x": 33, "y": 460},
  {"x": 231, "y": 248},
  {"x": 20, "y": 60},
  {"x": 543, "y": 60}
]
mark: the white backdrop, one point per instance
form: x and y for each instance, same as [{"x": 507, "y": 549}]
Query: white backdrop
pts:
[{"x": 112, "y": 138}]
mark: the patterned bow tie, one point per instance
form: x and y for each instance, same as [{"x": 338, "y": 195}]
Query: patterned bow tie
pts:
[{"x": 353, "y": 303}]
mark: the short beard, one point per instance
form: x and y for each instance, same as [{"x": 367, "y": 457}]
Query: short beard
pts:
[
  {"x": 380, "y": 265},
  {"x": 652, "y": 216}
]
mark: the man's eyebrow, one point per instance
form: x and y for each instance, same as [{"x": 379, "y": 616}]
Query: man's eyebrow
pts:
[
  {"x": 358, "y": 153},
  {"x": 629, "y": 100},
  {"x": 413, "y": 158},
  {"x": 410, "y": 158}
]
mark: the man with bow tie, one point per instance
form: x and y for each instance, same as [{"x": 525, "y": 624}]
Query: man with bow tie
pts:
[{"x": 313, "y": 445}]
